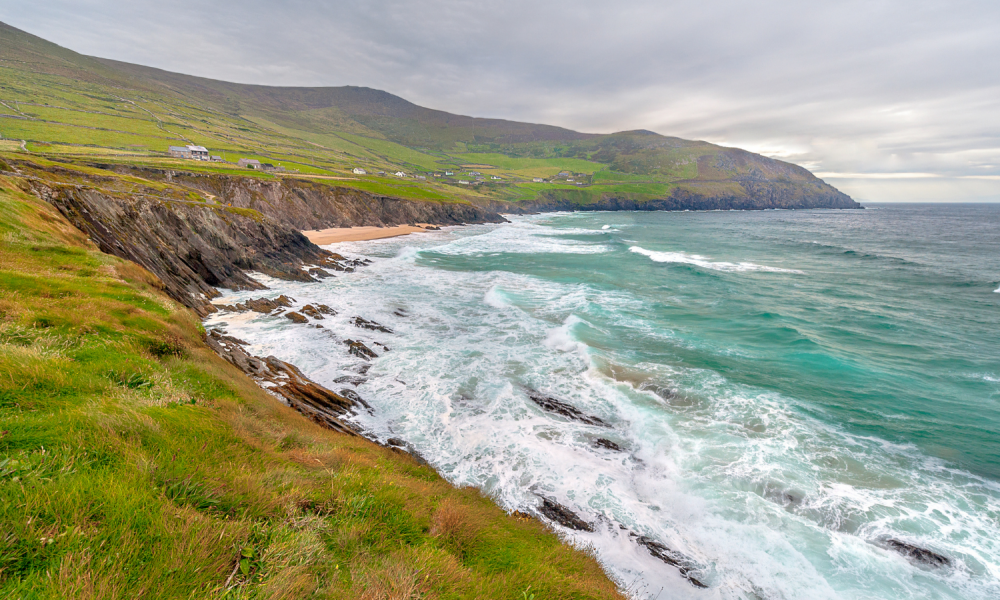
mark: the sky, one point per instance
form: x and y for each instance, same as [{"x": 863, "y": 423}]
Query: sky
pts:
[{"x": 888, "y": 100}]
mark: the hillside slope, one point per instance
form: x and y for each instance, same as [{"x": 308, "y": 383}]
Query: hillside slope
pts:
[
  {"x": 62, "y": 104},
  {"x": 136, "y": 463}
]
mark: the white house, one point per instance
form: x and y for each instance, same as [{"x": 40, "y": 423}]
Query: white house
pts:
[
  {"x": 448, "y": 173},
  {"x": 400, "y": 174},
  {"x": 463, "y": 182},
  {"x": 495, "y": 178},
  {"x": 248, "y": 163},
  {"x": 360, "y": 171},
  {"x": 422, "y": 177},
  {"x": 199, "y": 153},
  {"x": 538, "y": 180}
]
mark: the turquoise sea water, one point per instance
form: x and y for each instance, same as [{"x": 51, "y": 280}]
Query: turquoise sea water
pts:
[{"x": 791, "y": 389}]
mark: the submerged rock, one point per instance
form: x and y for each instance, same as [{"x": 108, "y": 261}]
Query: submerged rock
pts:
[
  {"x": 354, "y": 380},
  {"x": 562, "y": 515},
  {"x": 320, "y": 273},
  {"x": 607, "y": 444},
  {"x": 561, "y": 408},
  {"x": 360, "y": 350},
  {"x": 916, "y": 553},
  {"x": 673, "y": 558},
  {"x": 371, "y": 325}
]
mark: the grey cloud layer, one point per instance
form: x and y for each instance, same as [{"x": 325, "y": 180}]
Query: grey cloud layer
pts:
[{"x": 848, "y": 89}]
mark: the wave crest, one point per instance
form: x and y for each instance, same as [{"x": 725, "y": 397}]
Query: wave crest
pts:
[{"x": 706, "y": 263}]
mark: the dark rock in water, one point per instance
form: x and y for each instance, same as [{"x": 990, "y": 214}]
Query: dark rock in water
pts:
[
  {"x": 608, "y": 444},
  {"x": 296, "y": 317},
  {"x": 381, "y": 345},
  {"x": 326, "y": 310},
  {"x": 399, "y": 312},
  {"x": 432, "y": 228},
  {"x": 356, "y": 398},
  {"x": 320, "y": 273},
  {"x": 360, "y": 350},
  {"x": 264, "y": 305},
  {"x": 312, "y": 311},
  {"x": 561, "y": 408},
  {"x": 354, "y": 380},
  {"x": 396, "y": 442},
  {"x": 372, "y": 325},
  {"x": 362, "y": 369},
  {"x": 917, "y": 554},
  {"x": 562, "y": 515},
  {"x": 673, "y": 558}
]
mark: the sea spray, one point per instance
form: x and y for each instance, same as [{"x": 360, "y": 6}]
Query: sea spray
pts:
[{"x": 772, "y": 428}]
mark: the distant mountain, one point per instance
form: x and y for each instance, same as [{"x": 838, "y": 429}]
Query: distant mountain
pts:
[{"x": 77, "y": 108}]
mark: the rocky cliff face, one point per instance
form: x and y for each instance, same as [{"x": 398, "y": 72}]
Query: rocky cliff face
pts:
[
  {"x": 192, "y": 247},
  {"x": 304, "y": 205}
]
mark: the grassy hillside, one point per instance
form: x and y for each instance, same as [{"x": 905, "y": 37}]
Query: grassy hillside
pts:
[
  {"x": 82, "y": 109},
  {"x": 134, "y": 462}
]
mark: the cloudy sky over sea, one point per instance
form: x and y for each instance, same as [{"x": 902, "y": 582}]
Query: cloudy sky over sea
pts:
[{"x": 889, "y": 100}]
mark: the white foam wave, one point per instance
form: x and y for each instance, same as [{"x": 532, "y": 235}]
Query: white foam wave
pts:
[
  {"x": 706, "y": 263},
  {"x": 774, "y": 504},
  {"x": 997, "y": 291},
  {"x": 606, "y": 227}
]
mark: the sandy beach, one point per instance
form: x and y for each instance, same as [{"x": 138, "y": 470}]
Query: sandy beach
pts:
[{"x": 334, "y": 235}]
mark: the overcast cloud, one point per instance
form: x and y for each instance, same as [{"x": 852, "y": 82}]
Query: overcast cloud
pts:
[{"x": 888, "y": 100}]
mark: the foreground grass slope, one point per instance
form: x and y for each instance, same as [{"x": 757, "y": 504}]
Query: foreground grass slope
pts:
[
  {"x": 66, "y": 105},
  {"x": 136, "y": 463}
]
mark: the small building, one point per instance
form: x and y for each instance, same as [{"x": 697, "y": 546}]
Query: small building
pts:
[
  {"x": 538, "y": 180},
  {"x": 421, "y": 177},
  {"x": 217, "y": 159},
  {"x": 179, "y": 152},
  {"x": 359, "y": 171},
  {"x": 448, "y": 173},
  {"x": 249, "y": 163},
  {"x": 474, "y": 173},
  {"x": 382, "y": 173},
  {"x": 495, "y": 178},
  {"x": 564, "y": 174},
  {"x": 399, "y": 174},
  {"x": 463, "y": 182},
  {"x": 199, "y": 152},
  {"x": 569, "y": 180}
]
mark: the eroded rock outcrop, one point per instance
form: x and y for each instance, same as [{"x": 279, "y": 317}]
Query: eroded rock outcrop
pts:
[{"x": 320, "y": 404}]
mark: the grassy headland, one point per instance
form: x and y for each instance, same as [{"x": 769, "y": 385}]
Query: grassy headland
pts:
[{"x": 134, "y": 462}]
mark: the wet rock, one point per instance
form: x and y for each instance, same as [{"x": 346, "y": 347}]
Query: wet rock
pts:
[
  {"x": 432, "y": 228},
  {"x": 916, "y": 553},
  {"x": 607, "y": 444},
  {"x": 357, "y": 399},
  {"x": 561, "y": 408},
  {"x": 396, "y": 442},
  {"x": 562, "y": 515},
  {"x": 360, "y": 350},
  {"x": 264, "y": 305},
  {"x": 296, "y": 317},
  {"x": 320, "y": 273},
  {"x": 399, "y": 312},
  {"x": 371, "y": 325},
  {"x": 354, "y": 380},
  {"x": 312, "y": 311},
  {"x": 381, "y": 345},
  {"x": 685, "y": 565},
  {"x": 362, "y": 369},
  {"x": 286, "y": 381},
  {"x": 326, "y": 310}
]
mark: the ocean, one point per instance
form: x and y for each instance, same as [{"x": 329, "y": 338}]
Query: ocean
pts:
[{"x": 793, "y": 394}]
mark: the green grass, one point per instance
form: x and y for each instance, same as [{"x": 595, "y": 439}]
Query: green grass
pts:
[
  {"x": 533, "y": 167},
  {"x": 136, "y": 463}
]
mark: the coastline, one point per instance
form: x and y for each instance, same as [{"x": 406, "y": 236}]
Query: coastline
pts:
[{"x": 333, "y": 235}]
